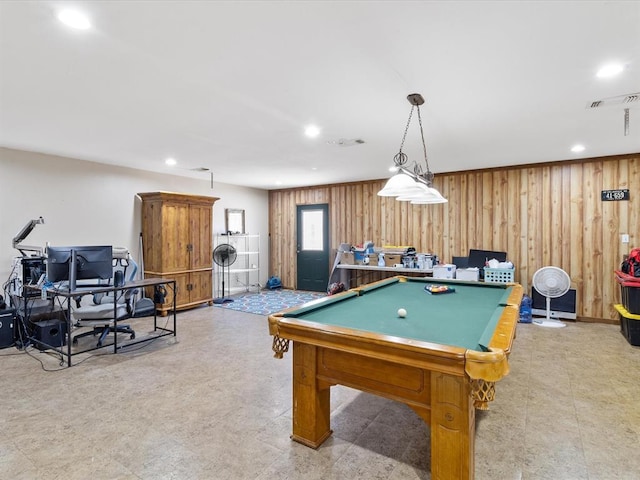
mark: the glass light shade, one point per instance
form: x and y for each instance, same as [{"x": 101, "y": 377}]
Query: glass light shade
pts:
[
  {"x": 420, "y": 191},
  {"x": 428, "y": 201},
  {"x": 433, "y": 197},
  {"x": 399, "y": 184},
  {"x": 427, "y": 195}
]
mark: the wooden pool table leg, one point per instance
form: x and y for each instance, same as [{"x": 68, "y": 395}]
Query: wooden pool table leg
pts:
[
  {"x": 311, "y": 399},
  {"x": 452, "y": 427}
]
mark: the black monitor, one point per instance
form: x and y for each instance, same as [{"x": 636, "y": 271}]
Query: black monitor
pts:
[
  {"x": 479, "y": 258},
  {"x": 560, "y": 307},
  {"x": 79, "y": 263},
  {"x": 460, "y": 262}
]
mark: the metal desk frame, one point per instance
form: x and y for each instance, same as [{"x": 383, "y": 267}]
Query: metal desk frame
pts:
[{"x": 81, "y": 291}]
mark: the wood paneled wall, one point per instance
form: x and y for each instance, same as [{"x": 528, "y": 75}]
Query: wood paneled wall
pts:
[{"x": 542, "y": 214}]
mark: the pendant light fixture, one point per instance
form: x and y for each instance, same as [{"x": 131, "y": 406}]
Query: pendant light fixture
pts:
[{"x": 412, "y": 186}]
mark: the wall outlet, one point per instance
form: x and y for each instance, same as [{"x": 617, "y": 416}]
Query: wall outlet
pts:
[{"x": 624, "y": 238}]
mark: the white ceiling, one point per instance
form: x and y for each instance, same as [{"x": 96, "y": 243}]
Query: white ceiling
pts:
[{"x": 230, "y": 86}]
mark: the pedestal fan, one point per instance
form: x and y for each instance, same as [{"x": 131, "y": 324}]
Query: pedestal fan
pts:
[
  {"x": 224, "y": 255},
  {"x": 551, "y": 282}
]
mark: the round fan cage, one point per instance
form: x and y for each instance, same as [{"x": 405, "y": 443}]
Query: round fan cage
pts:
[
  {"x": 224, "y": 255},
  {"x": 551, "y": 282}
]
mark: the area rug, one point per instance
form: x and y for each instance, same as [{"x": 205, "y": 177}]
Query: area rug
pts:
[{"x": 269, "y": 301}]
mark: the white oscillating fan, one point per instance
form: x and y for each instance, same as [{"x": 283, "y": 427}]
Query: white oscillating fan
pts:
[{"x": 551, "y": 282}]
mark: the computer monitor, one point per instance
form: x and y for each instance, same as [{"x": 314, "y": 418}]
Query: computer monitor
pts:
[
  {"x": 460, "y": 262},
  {"x": 79, "y": 263},
  {"x": 560, "y": 307},
  {"x": 479, "y": 258}
]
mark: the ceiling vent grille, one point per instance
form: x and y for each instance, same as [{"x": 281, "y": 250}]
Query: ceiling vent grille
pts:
[
  {"x": 626, "y": 100},
  {"x": 346, "y": 142}
]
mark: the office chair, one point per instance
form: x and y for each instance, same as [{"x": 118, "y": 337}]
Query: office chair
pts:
[{"x": 99, "y": 314}]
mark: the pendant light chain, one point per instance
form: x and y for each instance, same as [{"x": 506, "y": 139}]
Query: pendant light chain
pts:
[
  {"x": 424, "y": 145},
  {"x": 400, "y": 158},
  {"x": 414, "y": 186}
]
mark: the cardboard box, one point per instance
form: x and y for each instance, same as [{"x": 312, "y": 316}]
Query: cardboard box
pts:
[
  {"x": 391, "y": 259},
  {"x": 468, "y": 274},
  {"x": 347, "y": 258},
  {"x": 447, "y": 270}
]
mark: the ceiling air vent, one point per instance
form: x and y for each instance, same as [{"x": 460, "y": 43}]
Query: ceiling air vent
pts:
[
  {"x": 628, "y": 99},
  {"x": 346, "y": 142}
]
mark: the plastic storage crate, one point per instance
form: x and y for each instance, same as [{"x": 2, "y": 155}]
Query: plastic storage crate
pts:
[
  {"x": 499, "y": 275},
  {"x": 629, "y": 325},
  {"x": 630, "y": 292}
]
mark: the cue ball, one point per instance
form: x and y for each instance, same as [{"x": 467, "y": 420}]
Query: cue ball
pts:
[{"x": 402, "y": 312}]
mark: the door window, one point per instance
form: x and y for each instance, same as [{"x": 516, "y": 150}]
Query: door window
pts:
[{"x": 312, "y": 231}]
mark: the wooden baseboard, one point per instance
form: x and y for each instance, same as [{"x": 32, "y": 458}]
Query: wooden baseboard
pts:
[{"x": 608, "y": 321}]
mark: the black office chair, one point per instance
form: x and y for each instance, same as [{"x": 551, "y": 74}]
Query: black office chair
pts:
[{"x": 99, "y": 314}]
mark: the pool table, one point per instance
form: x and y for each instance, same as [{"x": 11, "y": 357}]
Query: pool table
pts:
[{"x": 442, "y": 359}]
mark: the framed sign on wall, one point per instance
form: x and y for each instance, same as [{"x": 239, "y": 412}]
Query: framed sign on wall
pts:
[
  {"x": 234, "y": 220},
  {"x": 614, "y": 195}
]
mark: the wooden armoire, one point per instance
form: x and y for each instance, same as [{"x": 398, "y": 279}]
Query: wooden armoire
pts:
[{"x": 177, "y": 243}]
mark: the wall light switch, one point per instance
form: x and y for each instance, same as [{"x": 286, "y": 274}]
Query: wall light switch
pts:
[{"x": 624, "y": 238}]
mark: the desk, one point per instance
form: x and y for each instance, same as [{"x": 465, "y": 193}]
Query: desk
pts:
[
  {"x": 67, "y": 296},
  {"x": 434, "y": 360},
  {"x": 353, "y": 276}
]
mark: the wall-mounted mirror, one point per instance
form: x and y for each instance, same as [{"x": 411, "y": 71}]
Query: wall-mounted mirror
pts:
[{"x": 234, "y": 220}]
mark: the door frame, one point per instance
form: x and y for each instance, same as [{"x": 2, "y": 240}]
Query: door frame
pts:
[{"x": 320, "y": 258}]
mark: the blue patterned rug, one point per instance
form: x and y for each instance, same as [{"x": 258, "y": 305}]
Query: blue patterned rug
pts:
[{"x": 269, "y": 301}]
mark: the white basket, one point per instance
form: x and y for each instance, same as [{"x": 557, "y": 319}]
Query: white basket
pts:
[{"x": 499, "y": 275}]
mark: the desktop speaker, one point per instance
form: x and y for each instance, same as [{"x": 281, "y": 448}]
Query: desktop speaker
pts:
[
  {"x": 7, "y": 320},
  {"x": 50, "y": 333}
]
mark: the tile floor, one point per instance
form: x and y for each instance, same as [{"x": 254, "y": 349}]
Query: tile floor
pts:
[{"x": 215, "y": 404}]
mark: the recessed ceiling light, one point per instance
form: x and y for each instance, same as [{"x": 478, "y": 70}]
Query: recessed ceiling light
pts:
[
  {"x": 577, "y": 148},
  {"x": 170, "y": 161},
  {"x": 610, "y": 70},
  {"x": 393, "y": 168},
  {"x": 278, "y": 182},
  {"x": 74, "y": 19},
  {"x": 311, "y": 131}
]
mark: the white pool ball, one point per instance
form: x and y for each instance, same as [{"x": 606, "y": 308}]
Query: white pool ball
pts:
[{"x": 402, "y": 312}]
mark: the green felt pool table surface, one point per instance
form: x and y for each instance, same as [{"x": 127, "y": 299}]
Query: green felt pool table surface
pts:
[{"x": 465, "y": 318}]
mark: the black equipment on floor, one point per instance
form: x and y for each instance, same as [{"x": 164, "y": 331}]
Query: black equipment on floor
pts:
[
  {"x": 51, "y": 333},
  {"x": 7, "y": 322}
]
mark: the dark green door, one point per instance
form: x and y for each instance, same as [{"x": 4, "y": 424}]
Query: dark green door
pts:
[{"x": 313, "y": 247}]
